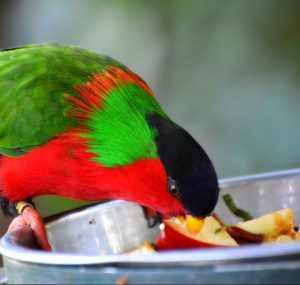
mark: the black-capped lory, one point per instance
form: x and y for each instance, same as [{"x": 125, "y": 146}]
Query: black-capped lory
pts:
[{"x": 81, "y": 125}]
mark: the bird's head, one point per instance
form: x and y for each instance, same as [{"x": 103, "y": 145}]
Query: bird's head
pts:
[
  {"x": 155, "y": 162},
  {"x": 191, "y": 177}
]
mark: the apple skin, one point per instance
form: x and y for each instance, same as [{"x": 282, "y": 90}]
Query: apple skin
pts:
[{"x": 176, "y": 236}]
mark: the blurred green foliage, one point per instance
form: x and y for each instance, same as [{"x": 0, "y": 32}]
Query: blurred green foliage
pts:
[{"x": 49, "y": 205}]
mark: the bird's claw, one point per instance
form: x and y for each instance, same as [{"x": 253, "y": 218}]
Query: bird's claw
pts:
[
  {"x": 30, "y": 216},
  {"x": 153, "y": 218}
]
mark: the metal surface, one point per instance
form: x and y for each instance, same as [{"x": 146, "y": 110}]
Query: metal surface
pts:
[
  {"x": 112, "y": 227},
  {"x": 245, "y": 273},
  {"x": 259, "y": 194},
  {"x": 3, "y": 278}
]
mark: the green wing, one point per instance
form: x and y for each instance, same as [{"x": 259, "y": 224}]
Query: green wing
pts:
[{"x": 33, "y": 80}]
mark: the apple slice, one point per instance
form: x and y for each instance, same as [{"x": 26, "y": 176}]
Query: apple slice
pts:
[
  {"x": 183, "y": 234},
  {"x": 145, "y": 248},
  {"x": 276, "y": 226}
]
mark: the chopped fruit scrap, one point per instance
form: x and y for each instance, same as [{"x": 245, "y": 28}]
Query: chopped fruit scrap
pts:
[
  {"x": 193, "y": 233},
  {"x": 146, "y": 248},
  {"x": 274, "y": 227},
  {"x": 186, "y": 232},
  {"x": 244, "y": 237},
  {"x": 234, "y": 209}
]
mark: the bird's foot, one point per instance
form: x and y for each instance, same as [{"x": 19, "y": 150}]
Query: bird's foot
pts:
[
  {"x": 30, "y": 216},
  {"x": 153, "y": 218}
]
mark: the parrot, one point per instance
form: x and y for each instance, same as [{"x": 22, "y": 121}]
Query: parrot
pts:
[{"x": 83, "y": 126}]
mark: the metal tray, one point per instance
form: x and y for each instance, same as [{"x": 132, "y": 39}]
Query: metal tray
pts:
[{"x": 119, "y": 226}]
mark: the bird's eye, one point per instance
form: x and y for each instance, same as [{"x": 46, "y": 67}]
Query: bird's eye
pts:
[
  {"x": 174, "y": 191},
  {"x": 173, "y": 188}
]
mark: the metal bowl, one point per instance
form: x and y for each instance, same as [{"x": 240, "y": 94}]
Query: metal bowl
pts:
[{"x": 90, "y": 244}]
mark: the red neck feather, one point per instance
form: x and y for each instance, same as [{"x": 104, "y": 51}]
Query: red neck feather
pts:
[{"x": 63, "y": 167}]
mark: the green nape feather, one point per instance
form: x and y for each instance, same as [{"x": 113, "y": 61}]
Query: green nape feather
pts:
[
  {"x": 120, "y": 127},
  {"x": 33, "y": 80}
]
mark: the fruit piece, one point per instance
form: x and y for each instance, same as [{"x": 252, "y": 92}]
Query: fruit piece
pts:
[
  {"x": 234, "y": 209},
  {"x": 177, "y": 235},
  {"x": 283, "y": 239},
  {"x": 244, "y": 237},
  {"x": 194, "y": 224},
  {"x": 146, "y": 248},
  {"x": 271, "y": 226},
  {"x": 180, "y": 218}
]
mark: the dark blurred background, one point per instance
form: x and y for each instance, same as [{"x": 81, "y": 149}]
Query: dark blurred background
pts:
[{"x": 227, "y": 71}]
